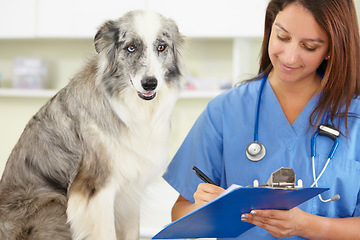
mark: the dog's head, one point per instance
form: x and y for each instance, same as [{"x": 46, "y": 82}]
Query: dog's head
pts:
[{"x": 140, "y": 50}]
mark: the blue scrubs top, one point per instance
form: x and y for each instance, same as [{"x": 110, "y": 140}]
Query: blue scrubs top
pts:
[{"x": 217, "y": 142}]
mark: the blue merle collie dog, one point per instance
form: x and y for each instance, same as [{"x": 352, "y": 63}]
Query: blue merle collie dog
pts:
[{"x": 82, "y": 162}]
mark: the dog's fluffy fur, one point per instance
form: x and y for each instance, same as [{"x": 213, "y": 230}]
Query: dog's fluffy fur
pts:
[{"x": 82, "y": 162}]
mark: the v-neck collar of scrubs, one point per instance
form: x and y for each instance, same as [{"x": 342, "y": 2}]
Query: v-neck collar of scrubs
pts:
[{"x": 275, "y": 117}]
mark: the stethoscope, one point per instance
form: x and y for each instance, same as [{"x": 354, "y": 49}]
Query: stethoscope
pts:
[{"x": 256, "y": 151}]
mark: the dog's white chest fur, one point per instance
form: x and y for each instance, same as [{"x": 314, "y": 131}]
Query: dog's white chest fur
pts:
[
  {"x": 135, "y": 158},
  {"x": 145, "y": 147}
]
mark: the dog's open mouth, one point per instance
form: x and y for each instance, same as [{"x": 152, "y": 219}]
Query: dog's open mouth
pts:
[{"x": 147, "y": 95}]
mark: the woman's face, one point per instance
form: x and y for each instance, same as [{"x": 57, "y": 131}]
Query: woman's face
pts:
[{"x": 297, "y": 45}]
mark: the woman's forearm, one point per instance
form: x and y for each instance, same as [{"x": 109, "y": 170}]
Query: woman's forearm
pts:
[
  {"x": 319, "y": 228},
  {"x": 181, "y": 208},
  {"x": 205, "y": 193}
]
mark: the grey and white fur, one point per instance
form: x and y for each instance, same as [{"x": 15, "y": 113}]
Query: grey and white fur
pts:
[{"x": 82, "y": 162}]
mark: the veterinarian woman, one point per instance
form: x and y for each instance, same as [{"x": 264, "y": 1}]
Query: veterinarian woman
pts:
[{"x": 310, "y": 70}]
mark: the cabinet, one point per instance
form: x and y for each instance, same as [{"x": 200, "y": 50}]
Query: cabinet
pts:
[
  {"x": 55, "y": 18},
  {"x": 90, "y": 14},
  {"x": 78, "y": 18},
  {"x": 17, "y": 18},
  {"x": 81, "y": 18},
  {"x": 215, "y": 18}
]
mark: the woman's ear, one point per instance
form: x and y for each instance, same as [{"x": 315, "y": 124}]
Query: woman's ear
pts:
[{"x": 327, "y": 56}]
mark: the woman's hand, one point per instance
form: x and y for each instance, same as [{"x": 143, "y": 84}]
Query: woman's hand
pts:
[
  {"x": 206, "y": 192},
  {"x": 295, "y": 222},
  {"x": 279, "y": 223}
]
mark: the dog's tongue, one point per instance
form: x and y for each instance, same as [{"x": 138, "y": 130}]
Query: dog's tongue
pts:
[{"x": 148, "y": 94}]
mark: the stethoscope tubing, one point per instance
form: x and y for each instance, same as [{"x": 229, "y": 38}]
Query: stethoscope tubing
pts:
[
  {"x": 313, "y": 145},
  {"x": 256, "y": 128}
]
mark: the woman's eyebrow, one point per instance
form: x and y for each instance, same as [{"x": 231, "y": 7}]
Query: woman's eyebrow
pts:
[
  {"x": 281, "y": 27},
  {"x": 306, "y": 39}
]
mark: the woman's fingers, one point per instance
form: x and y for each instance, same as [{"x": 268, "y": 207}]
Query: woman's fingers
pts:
[
  {"x": 279, "y": 223},
  {"x": 207, "y": 192}
]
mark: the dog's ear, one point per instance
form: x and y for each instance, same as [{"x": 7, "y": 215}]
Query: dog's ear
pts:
[
  {"x": 107, "y": 37},
  {"x": 106, "y": 44},
  {"x": 178, "y": 40},
  {"x": 179, "y": 43}
]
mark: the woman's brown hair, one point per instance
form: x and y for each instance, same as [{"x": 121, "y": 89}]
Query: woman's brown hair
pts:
[{"x": 341, "y": 81}]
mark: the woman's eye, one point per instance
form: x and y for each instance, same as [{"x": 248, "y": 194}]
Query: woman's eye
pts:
[
  {"x": 161, "y": 48},
  {"x": 309, "y": 48},
  {"x": 131, "y": 49},
  {"x": 281, "y": 38}
]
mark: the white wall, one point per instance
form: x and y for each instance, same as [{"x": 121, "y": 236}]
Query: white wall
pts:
[{"x": 205, "y": 58}]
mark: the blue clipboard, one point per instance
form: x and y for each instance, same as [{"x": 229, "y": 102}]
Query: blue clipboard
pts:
[{"x": 221, "y": 218}]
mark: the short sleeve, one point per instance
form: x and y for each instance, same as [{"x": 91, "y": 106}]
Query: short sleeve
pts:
[
  {"x": 202, "y": 148},
  {"x": 357, "y": 207}
]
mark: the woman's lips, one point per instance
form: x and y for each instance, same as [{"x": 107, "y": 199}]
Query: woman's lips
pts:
[{"x": 286, "y": 68}]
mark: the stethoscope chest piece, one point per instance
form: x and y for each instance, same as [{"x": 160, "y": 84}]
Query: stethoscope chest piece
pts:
[{"x": 255, "y": 151}]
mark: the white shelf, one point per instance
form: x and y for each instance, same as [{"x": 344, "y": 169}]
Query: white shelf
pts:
[
  {"x": 27, "y": 93},
  {"x": 48, "y": 93},
  {"x": 198, "y": 94}
]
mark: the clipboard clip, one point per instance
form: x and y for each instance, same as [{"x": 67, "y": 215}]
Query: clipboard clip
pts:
[{"x": 281, "y": 178}]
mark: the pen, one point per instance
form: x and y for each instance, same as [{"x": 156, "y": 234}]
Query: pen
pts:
[{"x": 202, "y": 176}]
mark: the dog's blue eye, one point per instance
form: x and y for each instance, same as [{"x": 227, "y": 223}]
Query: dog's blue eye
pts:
[
  {"x": 161, "y": 48},
  {"x": 131, "y": 49}
]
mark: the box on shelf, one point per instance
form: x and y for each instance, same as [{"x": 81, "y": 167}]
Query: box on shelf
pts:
[
  {"x": 30, "y": 73},
  {"x": 195, "y": 83}
]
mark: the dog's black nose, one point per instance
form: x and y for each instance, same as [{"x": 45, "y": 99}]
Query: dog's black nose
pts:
[{"x": 149, "y": 83}]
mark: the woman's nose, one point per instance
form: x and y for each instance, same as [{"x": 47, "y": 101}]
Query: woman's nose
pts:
[{"x": 291, "y": 54}]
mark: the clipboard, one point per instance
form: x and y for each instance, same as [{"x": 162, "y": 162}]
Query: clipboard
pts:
[{"x": 221, "y": 218}]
